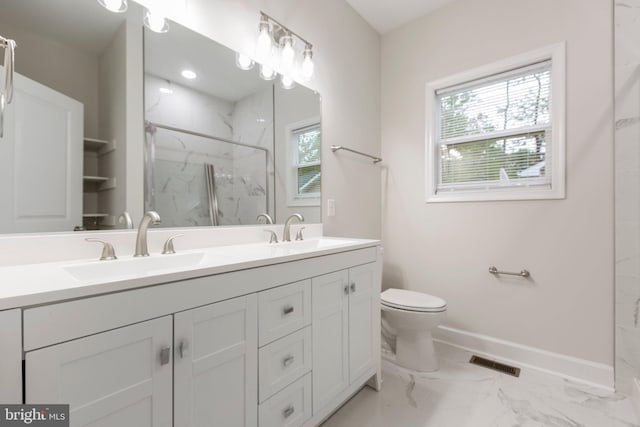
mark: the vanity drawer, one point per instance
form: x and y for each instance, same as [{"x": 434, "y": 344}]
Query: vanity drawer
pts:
[
  {"x": 291, "y": 407},
  {"x": 283, "y": 310},
  {"x": 283, "y": 361}
]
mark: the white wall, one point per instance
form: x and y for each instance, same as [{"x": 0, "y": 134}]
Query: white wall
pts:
[
  {"x": 63, "y": 68},
  {"x": 347, "y": 57},
  {"x": 445, "y": 249},
  {"x": 627, "y": 158}
]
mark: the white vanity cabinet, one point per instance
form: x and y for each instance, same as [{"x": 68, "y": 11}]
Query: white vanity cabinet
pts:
[
  {"x": 116, "y": 378},
  {"x": 11, "y": 356},
  {"x": 346, "y": 320},
  {"x": 278, "y": 345}
]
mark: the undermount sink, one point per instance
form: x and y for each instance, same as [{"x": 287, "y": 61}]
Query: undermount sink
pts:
[{"x": 133, "y": 266}]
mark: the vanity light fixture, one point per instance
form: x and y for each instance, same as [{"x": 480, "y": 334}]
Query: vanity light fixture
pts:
[
  {"x": 155, "y": 21},
  {"x": 265, "y": 42},
  {"x": 287, "y": 54},
  {"x": 188, "y": 74},
  {"x": 244, "y": 62},
  {"x": 267, "y": 73},
  {"x": 307, "y": 66},
  {"x": 116, "y": 6},
  {"x": 272, "y": 32}
]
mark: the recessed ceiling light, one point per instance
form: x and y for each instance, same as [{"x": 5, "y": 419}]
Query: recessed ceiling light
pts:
[
  {"x": 166, "y": 90},
  {"x": 188, "y": 74}
]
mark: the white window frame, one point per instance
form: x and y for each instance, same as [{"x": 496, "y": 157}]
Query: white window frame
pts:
[
  {"x": 555, "y": 53},
  {"x": 293, "y": 198}
]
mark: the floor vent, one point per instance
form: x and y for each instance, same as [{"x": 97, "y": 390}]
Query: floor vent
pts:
[{"x": 497, "y": 366}]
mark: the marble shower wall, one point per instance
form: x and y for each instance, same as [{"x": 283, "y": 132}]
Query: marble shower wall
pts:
[
  {"x": 175, "y": 185},
  {"x": 627, "y": 191}
]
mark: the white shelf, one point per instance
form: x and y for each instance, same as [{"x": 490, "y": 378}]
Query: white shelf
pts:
[
  {"x": 92, "y": 144},
  {"x": 88, "y": 178},
  {"x": 95, "y": 215}
]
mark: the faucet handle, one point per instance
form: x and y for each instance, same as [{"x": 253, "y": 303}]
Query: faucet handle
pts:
[
  {"x": 168, "y": 245},
  {"x": 108, "y": 253},
  {"x": 299, "y": 234},
  {"x": 274, "y": 237}
]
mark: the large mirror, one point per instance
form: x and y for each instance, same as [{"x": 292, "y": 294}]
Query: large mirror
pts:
[{"x": 103, "y": 122}]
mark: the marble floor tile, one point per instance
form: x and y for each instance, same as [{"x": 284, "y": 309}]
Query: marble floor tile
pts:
[{"x": 465, "y": 395}]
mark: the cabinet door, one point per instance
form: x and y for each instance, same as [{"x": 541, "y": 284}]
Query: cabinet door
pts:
[
  {"x": 41, "y": 160},
  {"x": 118, "y": 378},
  {"x": 363, "y": 309},
  {"x": 330, "y": 295},
  {"x": 11, "y": 356},
  {"x": 216, "y": 364}
]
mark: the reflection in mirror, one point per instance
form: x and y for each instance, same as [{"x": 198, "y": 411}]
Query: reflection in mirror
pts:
[
  {"x": 62, "y": 159},
  {"x": 72, "y": 153},
  {"x": 222, "y": 144}
]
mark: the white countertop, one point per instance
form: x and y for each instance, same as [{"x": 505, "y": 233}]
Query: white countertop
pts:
[{"x": 34, "y": 284}]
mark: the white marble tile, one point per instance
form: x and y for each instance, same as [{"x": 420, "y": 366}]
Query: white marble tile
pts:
[{"x": 464, "y": 395}]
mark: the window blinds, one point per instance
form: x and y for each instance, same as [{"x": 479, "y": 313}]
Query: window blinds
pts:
[{"x": 495, "y": 132}]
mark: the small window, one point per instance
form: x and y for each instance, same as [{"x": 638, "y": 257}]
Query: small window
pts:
[
  {"x": 496, "y": 133},
  {"x": 306, "y": 164}
]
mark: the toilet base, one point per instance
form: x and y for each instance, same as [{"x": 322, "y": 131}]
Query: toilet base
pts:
[{"x": 415, "y": 351}]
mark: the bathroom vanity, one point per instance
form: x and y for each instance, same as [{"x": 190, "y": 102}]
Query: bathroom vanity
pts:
[{"x": 234, "y": 335}]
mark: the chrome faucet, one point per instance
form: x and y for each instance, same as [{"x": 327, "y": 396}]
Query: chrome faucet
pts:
[
  {"x": 150, "y": 217},
  {"x": 286, "y": 234},
  {"x": 267, "y": 218}
]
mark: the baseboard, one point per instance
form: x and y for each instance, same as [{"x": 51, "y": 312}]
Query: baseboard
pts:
[
  {"x": 575, "y": 369},
  {"x": 635, "y": 395}
]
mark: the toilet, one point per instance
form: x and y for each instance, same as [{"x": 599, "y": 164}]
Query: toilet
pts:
[{"x": 408, "y": 318}]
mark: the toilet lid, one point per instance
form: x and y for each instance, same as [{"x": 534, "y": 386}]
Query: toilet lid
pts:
[{"x": 410, "y": 300}]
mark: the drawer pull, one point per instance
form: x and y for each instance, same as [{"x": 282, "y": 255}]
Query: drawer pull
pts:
[
  {"x": 182, "y": 349},
  {"x": 287, "y": 361},
  {"x": 346, "y": 289},
  {"x": 288, "y": 411},
  {"x": 165, "y": 355},
  {"x": 353, "y": 286},
  {"x": 288, "y": 310}
]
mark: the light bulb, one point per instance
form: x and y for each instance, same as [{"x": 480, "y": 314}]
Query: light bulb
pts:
[
  {"x": 287, "y": 54},
  {"x": 267, "y": 73},
  {"x": 243, "y": 61},
  {"x": 155, "y": 22},
  {"x": 287, "y": 82},
  {"x": 307, "y": 64},
  {"x": 263, "y": 46},
  {"x": 117, "y": 6},
  {"x": 188, "y": 74},
  {"x": 166, "y": 90}
]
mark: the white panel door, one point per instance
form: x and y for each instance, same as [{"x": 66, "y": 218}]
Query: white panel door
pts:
[
  {"x": 216, "y": 365},
  {"x": 330, "y": 330},
  {"x": 362, "y": 307},
  {"x": 11, "y": 356},
  {"x": 41, "y": 160},
  {"x": 120, "y": 378}
]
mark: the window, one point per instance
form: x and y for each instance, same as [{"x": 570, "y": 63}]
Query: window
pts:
[
  {"x": 496, "y": 133},
  {"x": 305, "y": 139}
]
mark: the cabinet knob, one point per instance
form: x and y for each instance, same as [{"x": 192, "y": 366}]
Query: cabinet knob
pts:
[
  {"x": 287, "y": 310},
  {"x": 165, "y": 355},
  {"x": 288, "y": 411},
  {"x": 287, "y": 361},
  {"x": 182, "y": 349},
  {"x": 346, "y": 289},
  {"x": 353, "y": 286}
]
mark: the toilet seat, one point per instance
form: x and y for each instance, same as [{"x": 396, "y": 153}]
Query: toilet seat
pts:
[{"x": 403, "y": 299}]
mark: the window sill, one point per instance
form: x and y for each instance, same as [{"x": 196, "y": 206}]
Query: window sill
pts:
[{"x": 496, "y": 195}]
